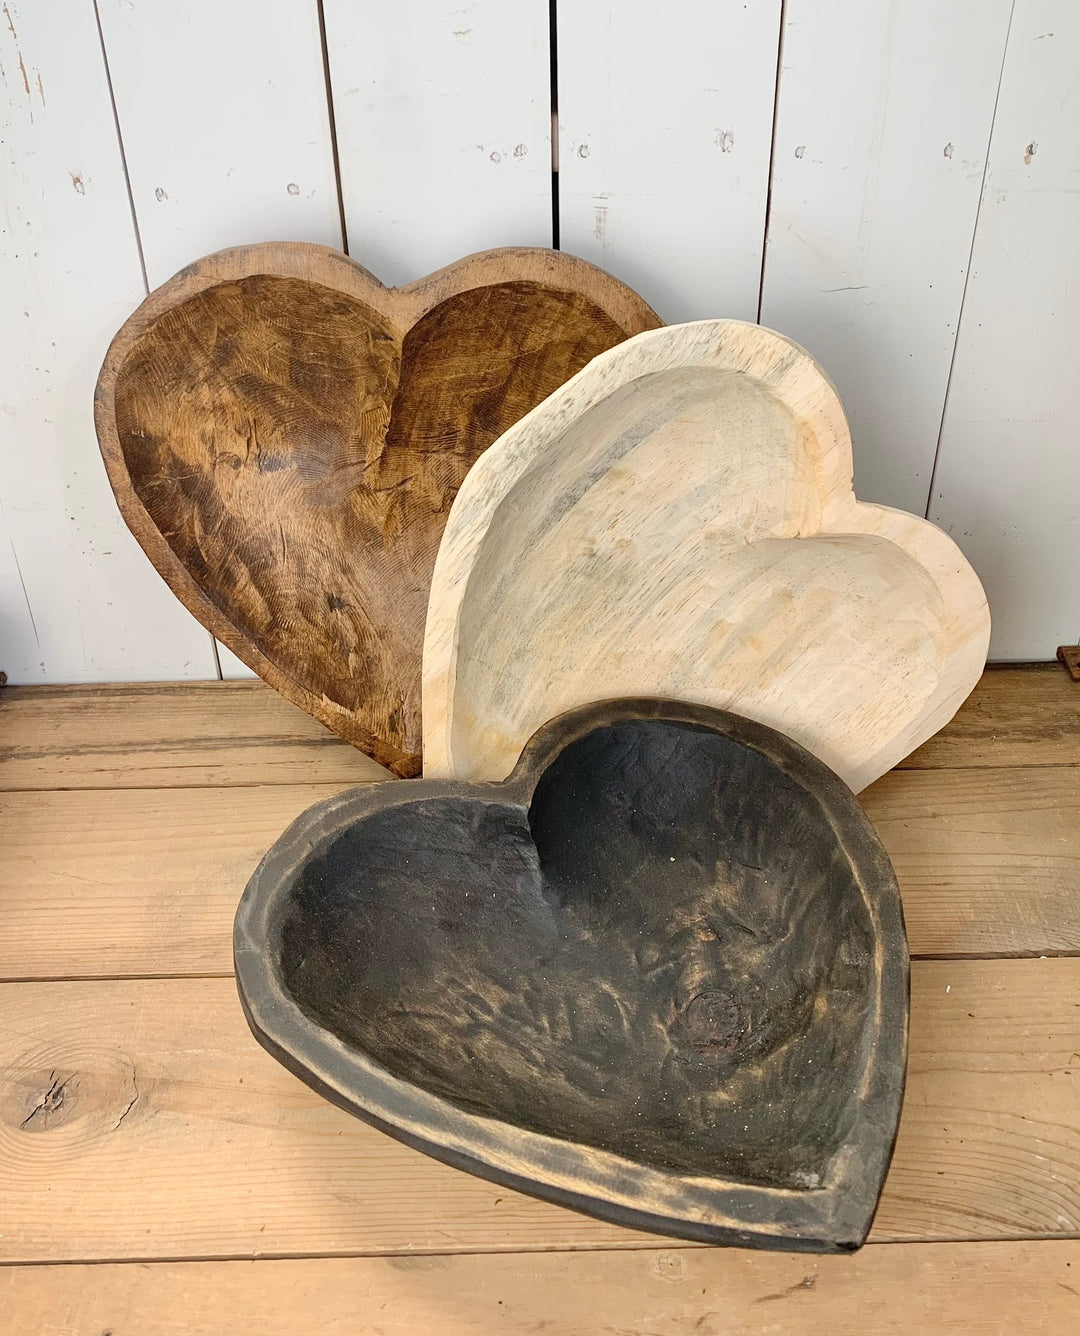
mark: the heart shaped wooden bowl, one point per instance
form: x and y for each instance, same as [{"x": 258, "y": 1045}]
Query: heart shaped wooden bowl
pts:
[
  {"x": 284, "y": 436},
  {"x": 659, "y": 974},
  {"x": 678, "y": 520}
]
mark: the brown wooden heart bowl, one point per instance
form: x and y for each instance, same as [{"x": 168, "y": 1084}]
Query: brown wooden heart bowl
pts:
[
  {"x": 285, "y": 437},
  {"x": 659, "y": 974}
]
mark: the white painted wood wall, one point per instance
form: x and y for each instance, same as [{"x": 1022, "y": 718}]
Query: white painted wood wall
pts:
[{"x": 896, "y": 185}]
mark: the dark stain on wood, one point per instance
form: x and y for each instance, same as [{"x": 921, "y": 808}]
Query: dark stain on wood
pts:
[
  {"x": 288, "y": 451},
  {"x": 670, "y": 937}
]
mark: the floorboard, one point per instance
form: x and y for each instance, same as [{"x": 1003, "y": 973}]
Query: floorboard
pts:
[
  {"x": 169, "y": 1133},
  {"x": 179, "y": 735},
  {"x": 98, "y": 883},
  {"x": 1017, "y": 715},
  {"x": 937, "y": 1289},
  {"x": 168, "y": 735}
]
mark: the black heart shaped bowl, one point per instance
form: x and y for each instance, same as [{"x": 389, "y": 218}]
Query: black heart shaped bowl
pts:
[{"x": 659, "y": 975}]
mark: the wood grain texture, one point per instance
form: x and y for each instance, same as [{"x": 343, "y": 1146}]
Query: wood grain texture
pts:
[
  {"x": 1025, "y": 715},
  {"x": 678, "y": 520},
  {"x": 659, "y": 974},
  {"x": 138, "y": 881},
  {"x": 987, "y": 860},
  {"x": 168, "y": 735},
  {"x": 938, "y": 1289},
  {"x": 285, "y": 437},
  {"x": 224, "y": 1154}
]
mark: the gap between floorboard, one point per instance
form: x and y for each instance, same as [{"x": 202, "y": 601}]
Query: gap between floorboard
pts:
[
  {"x": 647, "y": 1245},
  {"x": 362, "y": 783}
]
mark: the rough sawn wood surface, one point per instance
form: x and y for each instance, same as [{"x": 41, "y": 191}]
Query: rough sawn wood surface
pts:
[
  {"x": 679, "y": 521},
  {"x": 659, "y": 974}
]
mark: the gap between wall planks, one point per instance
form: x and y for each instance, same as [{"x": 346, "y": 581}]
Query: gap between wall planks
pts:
[
  {"x": 137, "y": 881},
  {"x": 979, "y": 1289},
  {"x": 22, "y": 649},
  {"x": 875, "y": 191},
  {"x": 179, "y": 1137},
  {"x": 665, "y": 126}
]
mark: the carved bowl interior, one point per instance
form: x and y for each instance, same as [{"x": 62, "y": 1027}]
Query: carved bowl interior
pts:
[
  {"x": 285, "y": 437},
  {"x": 679, "y": 520},
  {"x": 658, "y": 974}
]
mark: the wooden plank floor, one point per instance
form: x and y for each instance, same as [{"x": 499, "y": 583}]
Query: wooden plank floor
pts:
[{"x": 159, "y": 1173}]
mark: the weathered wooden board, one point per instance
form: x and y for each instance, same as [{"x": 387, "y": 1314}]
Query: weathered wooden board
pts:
[
  {"x": 221, "y": 151},
  {"x": 988, "y": 860},
  {"x": 665, "y": 130},
  {"x": 285, "y": 437},
  {"x": 178, "y": 1137},
  {"x": 679, "y": 521},
  {"x": 443, "y": 119},
  {"x": 69, "y": 274},
  {"x": 140, "y": 881},
  {"x": 1027, "y": 715},
  {"x": 146, "y": 881},
  {"x": 166, "y": 735},
  {"x": 967, "y": 1289},
  {"x": 1007, "y": 482},
  {"x": 882, "y": 127}
]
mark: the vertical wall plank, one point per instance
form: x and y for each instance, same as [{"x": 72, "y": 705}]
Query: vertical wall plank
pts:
[
  {"x": 884, "y": 117},
  {"x": 1007, "y": 485},
  {"x": 443, "y": 112},
  {"x": 223, "y": 115},
  {"x": 70, "y": 275},
  {"x": 665, "y": 123}
]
